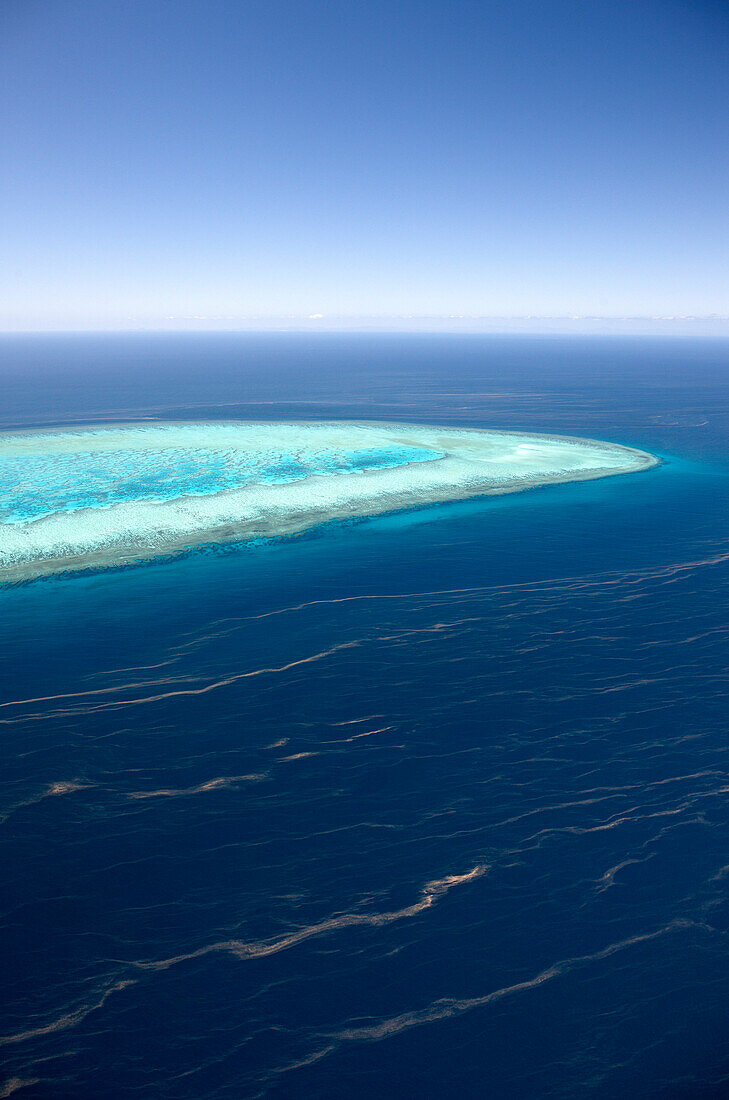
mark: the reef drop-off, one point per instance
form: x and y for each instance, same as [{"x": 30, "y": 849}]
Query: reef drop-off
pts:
[{"x": 104, "y": 496}]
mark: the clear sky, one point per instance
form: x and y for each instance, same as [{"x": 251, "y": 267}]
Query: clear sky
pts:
[{"x": 168, "y": 163}]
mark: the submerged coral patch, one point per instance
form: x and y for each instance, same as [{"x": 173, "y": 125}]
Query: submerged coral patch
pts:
[{"x": 107, "y": 495}]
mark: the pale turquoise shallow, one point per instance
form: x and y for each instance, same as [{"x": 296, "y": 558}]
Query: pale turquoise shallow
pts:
[{"x": 100, "y": 495}]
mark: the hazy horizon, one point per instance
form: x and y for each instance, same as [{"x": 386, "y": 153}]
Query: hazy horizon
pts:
[{"x": 709, "y": 326}]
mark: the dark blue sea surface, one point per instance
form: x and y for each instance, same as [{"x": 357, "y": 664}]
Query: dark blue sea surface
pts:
[{"x": 435, "y": 804}]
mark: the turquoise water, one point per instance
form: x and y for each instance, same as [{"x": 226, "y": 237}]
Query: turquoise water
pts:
[{"x": 33, "y": 486}]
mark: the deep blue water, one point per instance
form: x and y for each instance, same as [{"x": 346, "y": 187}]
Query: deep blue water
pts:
[{"x": 231, "y": 780}]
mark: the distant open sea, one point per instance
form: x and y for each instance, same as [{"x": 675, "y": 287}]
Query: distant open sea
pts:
[{"x": 429, "y": 805}]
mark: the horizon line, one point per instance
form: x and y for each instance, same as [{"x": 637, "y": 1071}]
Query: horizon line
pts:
[{"x": 424, "y": 324}]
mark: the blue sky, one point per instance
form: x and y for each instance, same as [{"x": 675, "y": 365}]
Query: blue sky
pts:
[{"x": 212, "y": 164}]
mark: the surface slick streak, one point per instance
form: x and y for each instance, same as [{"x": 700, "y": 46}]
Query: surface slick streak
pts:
[{"x": 431, "y": 804}]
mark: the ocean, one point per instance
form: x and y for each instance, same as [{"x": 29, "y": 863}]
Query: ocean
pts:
[{"x": 431, "y": 804}]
